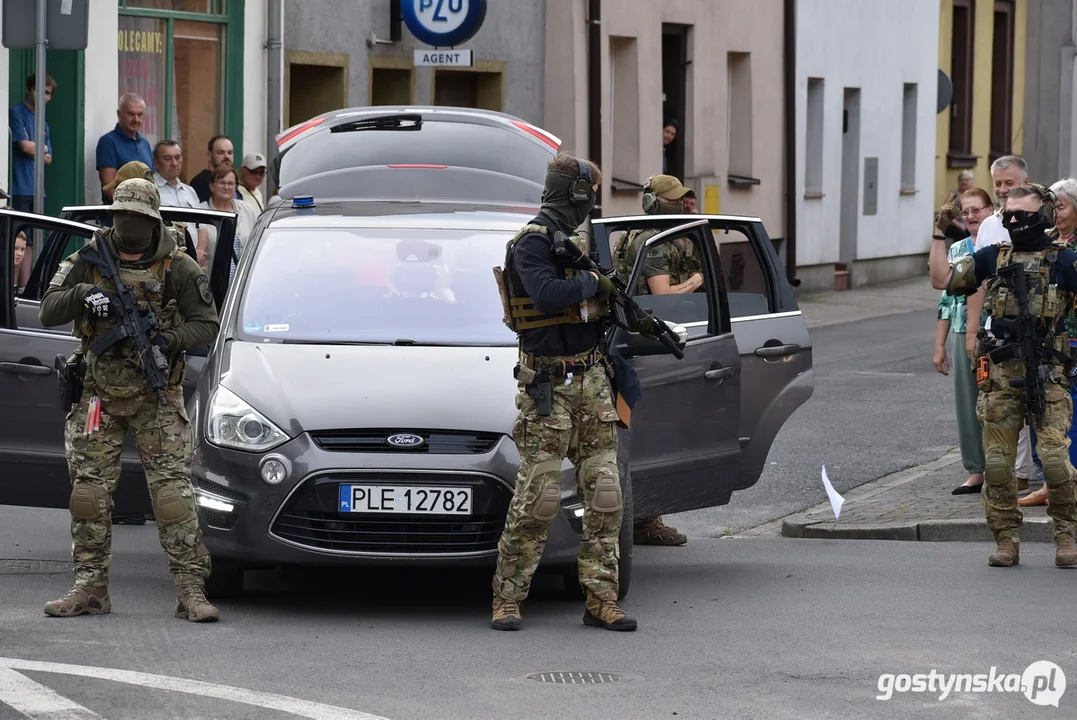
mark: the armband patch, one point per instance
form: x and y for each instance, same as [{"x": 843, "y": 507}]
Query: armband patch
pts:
[
  {"x": 202, "y": 281},
  {"x": 61, "y": 273},
  {"x": 962, "y": 276}
]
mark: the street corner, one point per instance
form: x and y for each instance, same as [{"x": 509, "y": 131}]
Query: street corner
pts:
[{"x": 914, "y": 504}]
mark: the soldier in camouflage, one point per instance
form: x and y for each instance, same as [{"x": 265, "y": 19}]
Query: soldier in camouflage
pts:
[
  {"x": 1050, "y": 270},
  {"x": 167, "y": 282},
  {"x": 560, "y": 314},
  {"x": 671, "y": 268},
  {"x": 178, "y": 230}
]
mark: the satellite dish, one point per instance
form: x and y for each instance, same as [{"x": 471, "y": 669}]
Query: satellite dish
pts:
[{"x": 946, "y": 92}]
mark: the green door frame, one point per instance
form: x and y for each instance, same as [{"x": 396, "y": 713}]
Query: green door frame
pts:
[
  {"x": 230, "y": 14},
  {"x": 65, "y": 114}
]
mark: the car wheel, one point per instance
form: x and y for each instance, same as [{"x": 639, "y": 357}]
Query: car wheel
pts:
[{"x": 225, "y": 581}]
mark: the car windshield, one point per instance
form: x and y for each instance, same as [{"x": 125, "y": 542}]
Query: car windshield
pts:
[{"x": 376, "y": 285}]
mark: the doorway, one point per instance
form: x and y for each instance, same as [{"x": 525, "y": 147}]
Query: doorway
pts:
[
  {"x": 850, "y": 177},
  {"x": 63, "y": 176},
  {"x": 317, "y": 83},
  {"x": 674, "y": 94}
]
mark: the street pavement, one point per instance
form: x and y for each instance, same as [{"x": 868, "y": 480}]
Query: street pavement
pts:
[{"x": 742, "y": 622}]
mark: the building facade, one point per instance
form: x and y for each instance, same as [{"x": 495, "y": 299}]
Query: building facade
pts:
[
  {"x": 200, "y": 65},
  {"x": 865, "y": 119},
  {"x": 1050, "y": 118},
  {"x": 982, "y": 51}
]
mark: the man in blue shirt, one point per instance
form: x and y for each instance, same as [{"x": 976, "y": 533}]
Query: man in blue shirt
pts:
[
  {"x": 123, "y": 143},
  {"x": 21, "y": 124}
]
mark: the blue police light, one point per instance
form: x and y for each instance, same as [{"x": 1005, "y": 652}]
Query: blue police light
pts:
[{"x": 303, "y": 201}]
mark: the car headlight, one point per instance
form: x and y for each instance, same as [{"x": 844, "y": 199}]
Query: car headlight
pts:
[{"x": 233, "y": 423}]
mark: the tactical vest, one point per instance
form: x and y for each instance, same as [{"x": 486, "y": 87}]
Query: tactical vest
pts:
[
  {"x": 116, "y": 372},
  {"x": 1046, "y": 300},
  {"x": 520, "y": 312},
  {"x": 682, "y": 262}
]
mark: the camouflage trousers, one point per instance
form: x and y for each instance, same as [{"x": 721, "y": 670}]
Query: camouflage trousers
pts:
[
  {"x": 1002, "y": 414},
  {"x": 162, "y": 436},
  {"x": 582, "y": 427}
]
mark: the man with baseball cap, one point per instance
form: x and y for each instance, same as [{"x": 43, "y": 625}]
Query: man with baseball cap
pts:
[
  {"x": 252, "y": 174},
  {"x": 116, "y": 397}
]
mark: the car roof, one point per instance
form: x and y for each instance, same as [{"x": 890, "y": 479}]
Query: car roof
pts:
[{"x": 403, "y": 213}]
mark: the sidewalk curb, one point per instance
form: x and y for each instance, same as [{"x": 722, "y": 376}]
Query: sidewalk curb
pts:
[{"x": 799, "y": 525}]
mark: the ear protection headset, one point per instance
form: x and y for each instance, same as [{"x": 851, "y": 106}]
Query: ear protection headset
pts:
[
  {"x": 581, "y": 191},
  {"x": 650, "y": 199},
  {"x": 1047, "y": 211}
]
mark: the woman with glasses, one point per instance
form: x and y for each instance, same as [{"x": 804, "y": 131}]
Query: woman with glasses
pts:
[
  {"x": 222, "y": 188},
  {"x": 975, "y": 207}
]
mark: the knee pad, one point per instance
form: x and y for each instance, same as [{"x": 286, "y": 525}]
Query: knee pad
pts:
[
  {"x": 548, "y": 501},
  {"x": 88, "y": 501},
  {"x": 606, "y": 496},
  {"x": 171, "y": 507}
]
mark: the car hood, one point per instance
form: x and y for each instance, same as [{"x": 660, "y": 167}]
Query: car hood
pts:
[{"x": 303, "y": 388}]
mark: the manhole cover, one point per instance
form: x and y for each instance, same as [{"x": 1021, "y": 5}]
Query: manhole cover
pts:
[
  {"x": 576, "y": 678},
  {"x": 33, "y": 567}
]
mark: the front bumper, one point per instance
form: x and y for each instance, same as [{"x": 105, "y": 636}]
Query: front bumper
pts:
[{"x": 297, "y": 522}]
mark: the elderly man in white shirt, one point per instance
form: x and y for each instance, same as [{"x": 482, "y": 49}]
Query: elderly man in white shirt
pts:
[
  {"x": 168, "y": 161},
  {"x": 1007, "y": 172}
]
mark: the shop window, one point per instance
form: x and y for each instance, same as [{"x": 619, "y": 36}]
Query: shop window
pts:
[
  {"x": 468, "y": 88},
  {"x": 624, "y": 110},
  {"x": 961, "y": 67},
  {"x": 390, "y": 86},
  {"x": 1002, "y": 80},
  {"x": 739, "y": 118},
  {"x": 177, "y": 65}
]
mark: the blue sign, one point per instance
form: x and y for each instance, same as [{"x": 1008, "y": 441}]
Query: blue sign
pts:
[{"x": 443, "y": 23}]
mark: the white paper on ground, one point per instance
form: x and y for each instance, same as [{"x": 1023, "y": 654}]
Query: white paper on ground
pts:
[{"x": 836, "y": 500}]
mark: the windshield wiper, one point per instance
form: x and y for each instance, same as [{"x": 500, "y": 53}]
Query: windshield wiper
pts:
[{"x": 382, "y": 122}]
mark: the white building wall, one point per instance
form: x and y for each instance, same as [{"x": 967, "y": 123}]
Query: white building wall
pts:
[
  {"x": 877, "y": 47},
  {"x": 255, "y": 71},
  {"x": 102, "y": 83}
]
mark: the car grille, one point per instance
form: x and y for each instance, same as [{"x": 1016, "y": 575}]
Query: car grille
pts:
[
  {"x": 310, "y": 518},
  {"x": 444, "y": 442}
]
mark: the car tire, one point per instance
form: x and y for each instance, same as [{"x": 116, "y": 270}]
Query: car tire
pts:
[
  {"x": 226, "y": 580},
  {"x": 625, "y": 543}
]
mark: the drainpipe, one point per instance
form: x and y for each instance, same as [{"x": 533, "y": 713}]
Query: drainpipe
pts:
[
  {"x": 594, "y": 92},
  {"x": 274, "y": 94},
  {"x": 790, "y": 61}
]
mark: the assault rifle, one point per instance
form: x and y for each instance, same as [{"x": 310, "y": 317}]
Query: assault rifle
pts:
[
  {"x": 1028, "y": 345},
  {"x": 133, "y": 325},
  {"x": 627, "y": 310}
]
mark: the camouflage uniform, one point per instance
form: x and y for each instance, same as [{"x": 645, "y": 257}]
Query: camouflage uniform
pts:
[
  {"x": 168, "y": 283},
  {"x": 1001, "y": 407},
  {"x": 679, "y": 262}
]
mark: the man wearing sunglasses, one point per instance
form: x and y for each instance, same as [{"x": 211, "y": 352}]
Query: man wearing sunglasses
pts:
[
  {"x": 252, "y": 174},
  {"x": 1050, "y": 272}
]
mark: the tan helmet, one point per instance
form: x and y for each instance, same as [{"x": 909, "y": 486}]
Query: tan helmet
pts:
[
  {"x": 133, "y": 169},
  {"x": 137, "y": 195}
]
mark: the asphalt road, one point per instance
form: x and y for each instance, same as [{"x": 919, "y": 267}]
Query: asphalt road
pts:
[
  {"x": 878, "y": 407},
  {"x": 729, "y": 628}
]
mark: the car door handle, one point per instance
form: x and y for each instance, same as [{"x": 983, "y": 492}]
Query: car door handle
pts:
[
  {"x": 776, "y": 350},
  {"x": 718, "y": 373},
  {"x": 22, "y": 369}
]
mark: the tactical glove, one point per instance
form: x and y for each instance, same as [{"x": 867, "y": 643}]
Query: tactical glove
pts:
[
  {"x": 605, "y": 285},
  {"x": 947, "y": 214},
  {"x": 645, "y": 325},
  {"x": 161, "y": 341},
  {"x": 97, "y": 302}
]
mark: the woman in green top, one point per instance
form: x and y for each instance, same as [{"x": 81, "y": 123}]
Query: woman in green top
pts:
[{"x": 975, "y": 207}]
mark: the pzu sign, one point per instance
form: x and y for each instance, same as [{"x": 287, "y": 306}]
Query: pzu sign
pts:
[{"x": 443, "y": 23}]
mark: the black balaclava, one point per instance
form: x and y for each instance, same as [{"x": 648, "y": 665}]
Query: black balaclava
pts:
[
  {"x": 1028, "y": 231},
  {"x": 557, "y": 201},
  {"x": 134, "y": 231}
]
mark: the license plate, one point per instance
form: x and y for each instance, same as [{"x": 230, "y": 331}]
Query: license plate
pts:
[{"x": 405, "y": 499}]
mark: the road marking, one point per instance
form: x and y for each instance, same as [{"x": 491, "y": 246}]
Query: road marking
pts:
[
  {"x": 14, "y": 691},
  {"x": 36, "y": 701}
]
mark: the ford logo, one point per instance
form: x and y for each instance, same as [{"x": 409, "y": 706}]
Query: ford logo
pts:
[{"x": 405, "y": 440}]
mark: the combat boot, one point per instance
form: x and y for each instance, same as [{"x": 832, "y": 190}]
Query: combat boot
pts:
[
  {"x": 191, "y": 604},
  {"x": 1007, "y": 554},
  {"x": 606, "y": 613},
  {"x": 81, "y": 600},
  {"x": 1065, "y": 551},
  {"x": 506, "y": 614},
  {"x": 652, "y": 531}
]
